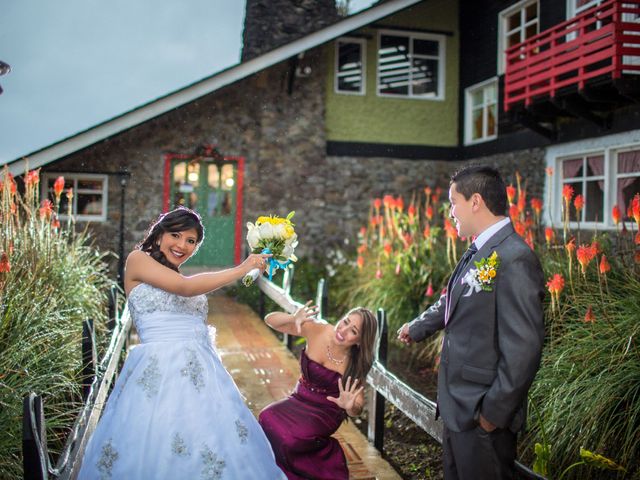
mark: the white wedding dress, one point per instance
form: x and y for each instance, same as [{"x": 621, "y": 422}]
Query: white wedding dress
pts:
[{"x": 175, "y": 412}]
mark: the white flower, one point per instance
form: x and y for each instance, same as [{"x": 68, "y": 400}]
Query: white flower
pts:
[
  {"x": 253, "y": 235},
  {"x": 266, "y": 231},
  {"x": 471, "y": 279}
]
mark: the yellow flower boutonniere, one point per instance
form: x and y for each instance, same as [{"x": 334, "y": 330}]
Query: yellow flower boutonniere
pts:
[{"x": 487, "y": 269}]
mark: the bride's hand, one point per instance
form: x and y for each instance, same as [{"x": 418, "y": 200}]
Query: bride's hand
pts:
[
  {"x": 255, "y": 260},
  {"x": 306, "y": 313},
  {"x": 348, "y": 395}
]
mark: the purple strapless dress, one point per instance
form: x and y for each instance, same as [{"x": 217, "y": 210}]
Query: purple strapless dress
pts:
[{"x": 300, "y": 427}]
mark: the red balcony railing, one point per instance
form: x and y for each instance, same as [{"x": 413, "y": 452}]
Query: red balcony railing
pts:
[{"x": 602, "y": 42}]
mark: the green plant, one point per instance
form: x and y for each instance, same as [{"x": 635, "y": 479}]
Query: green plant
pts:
[
  {"x": 587, "y": 391},
  {"x": 51, "y": 280}
]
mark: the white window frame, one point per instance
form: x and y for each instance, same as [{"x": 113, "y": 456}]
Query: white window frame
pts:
[
  {"x": 75, "y": 177},
  {"x": 468, "y": 112},
  {"x": 363, "y": 60},
  {"x": 442, "y": 59},
  {"x": 610, "y": 154},
  {"x": 572, "y": 11},
  {"x": 502, "y": 29}
]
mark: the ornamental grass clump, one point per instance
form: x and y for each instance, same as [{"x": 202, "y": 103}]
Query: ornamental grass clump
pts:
[
  {"x": 51, "y": 280},
  {"x": 587, "y": 392}
]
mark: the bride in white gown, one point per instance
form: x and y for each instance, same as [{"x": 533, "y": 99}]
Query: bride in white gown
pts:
[{"x": 175, "y": 412}]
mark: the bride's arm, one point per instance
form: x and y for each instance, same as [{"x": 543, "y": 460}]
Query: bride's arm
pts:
[
  {"x": 141, "y": 268},
  {"x": 302, "y": 323}
]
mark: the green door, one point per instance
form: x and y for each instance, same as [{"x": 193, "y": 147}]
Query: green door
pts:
[{"x": 209, "y": 188}]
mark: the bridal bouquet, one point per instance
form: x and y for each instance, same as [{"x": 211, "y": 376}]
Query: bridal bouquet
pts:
[{"x": 273, "y": 235}]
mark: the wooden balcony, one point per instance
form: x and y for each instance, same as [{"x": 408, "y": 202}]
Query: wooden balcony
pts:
[{"x": 584, "y": 67}]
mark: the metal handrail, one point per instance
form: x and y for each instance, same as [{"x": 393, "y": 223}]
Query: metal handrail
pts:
[{"x": 34, "y": 435}]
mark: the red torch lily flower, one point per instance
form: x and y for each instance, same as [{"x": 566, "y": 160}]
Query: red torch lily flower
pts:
[
  {"x": 429, "y": 292},
  {"x": 514, "y": 211},
  {"x": 450, "y": 230},
  {"x": 589, "y": 317},
  {"x": 387, "y": 249},
  {"x": 615, "y": 213},
  {"x": 46, "y": 209},
  {"x": 360, "y": 262},
  {"x": 511, "y": 193},
  {"x": 399, "y": 203},
  {"x": 411, "y": 211},
  {"x": 585, "y": 254},
  {"x": 429, "y": 213},
  {"x": 578, "y": 202},
  {"x": 377, "y": 203},
  {"x": 637, "y": 239},
  {"x": 549, "y": 233},
  {"x": 32, "y": 178},
  {"x": 604, "y": 265},
  {"x": 5, "y": 265},
  {"x": 555, "y": 284},
  {"x": 536, "y": 205},
  {"x": 571, "y": 246},
  {"x": 567, "y": 193},
  {"x": 520, "y": 228},
  {"x": 58, "y": 186},
  {"x": 635, "y": 208},
  {"x": 427, "y": 231}
]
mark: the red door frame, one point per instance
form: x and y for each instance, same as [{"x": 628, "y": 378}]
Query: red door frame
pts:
[{"x": 169, "y": 157}]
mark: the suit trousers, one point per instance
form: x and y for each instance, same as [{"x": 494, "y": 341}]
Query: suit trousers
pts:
[{"x": 479, "y": 455}]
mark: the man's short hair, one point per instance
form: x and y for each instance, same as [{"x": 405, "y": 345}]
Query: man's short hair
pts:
[{"x": 485, "y": 181}]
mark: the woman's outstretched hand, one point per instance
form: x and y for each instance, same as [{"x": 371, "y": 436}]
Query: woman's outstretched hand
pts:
[
  {"x": 306, "y": 313},
  {"x": 348, "y": 395},
  {"x": 255, "y": 260}
]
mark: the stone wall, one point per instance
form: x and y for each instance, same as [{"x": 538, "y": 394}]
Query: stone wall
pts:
[{"x": 348, "y": 195}]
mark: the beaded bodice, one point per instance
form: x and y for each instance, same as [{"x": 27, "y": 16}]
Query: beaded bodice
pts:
[{"x": 146, "y": 299}]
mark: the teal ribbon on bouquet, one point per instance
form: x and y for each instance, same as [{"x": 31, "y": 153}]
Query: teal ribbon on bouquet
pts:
[{"x": 274, "y": 264}]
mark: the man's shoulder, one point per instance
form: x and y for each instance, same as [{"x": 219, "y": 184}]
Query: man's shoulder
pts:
[{"x": 514, "y": 248}]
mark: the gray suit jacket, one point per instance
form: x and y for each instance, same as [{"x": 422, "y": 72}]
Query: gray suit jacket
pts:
[{"x": 493, "y": 340}]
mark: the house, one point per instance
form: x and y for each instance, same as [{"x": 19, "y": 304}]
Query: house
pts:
[{"x": 323, "y": 118}]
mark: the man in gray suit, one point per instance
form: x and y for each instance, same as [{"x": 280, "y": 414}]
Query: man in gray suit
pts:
[{"x": 492, "y": 317}]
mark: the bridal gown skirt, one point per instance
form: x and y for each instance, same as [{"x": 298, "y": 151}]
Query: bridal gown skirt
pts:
[{"x": 175, "y": 413}]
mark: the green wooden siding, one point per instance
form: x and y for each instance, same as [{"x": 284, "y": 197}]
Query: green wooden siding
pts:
[{"x": 412, "y": 121}]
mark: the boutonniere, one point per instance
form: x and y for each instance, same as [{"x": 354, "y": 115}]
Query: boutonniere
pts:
[{"x": 482, "y": 277}]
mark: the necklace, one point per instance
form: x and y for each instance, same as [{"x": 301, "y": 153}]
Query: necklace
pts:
[{"x": 334, "y": 359}]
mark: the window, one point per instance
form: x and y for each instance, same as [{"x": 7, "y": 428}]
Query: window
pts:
[
  {"x": 411, "y": 65},
  {"x": 89, "y": 200},
  {"x": 481, "y": 112},
  {"x": 350, "y": 66},
  {"x": 516, "y": 24},
  {"x": 604, "y": 179},
  {"x": 575, "y": 7}
]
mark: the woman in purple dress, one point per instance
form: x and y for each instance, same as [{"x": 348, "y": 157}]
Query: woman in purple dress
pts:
[{"x": 334, "y": 366}]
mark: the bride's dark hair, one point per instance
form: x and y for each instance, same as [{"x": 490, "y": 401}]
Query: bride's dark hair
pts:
[{"x": 177, "y": 220}]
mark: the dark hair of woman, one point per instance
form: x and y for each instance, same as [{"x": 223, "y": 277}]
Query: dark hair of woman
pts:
[
  {"x": 361, "y": 356},
  {"x": 177, "y": 220}
]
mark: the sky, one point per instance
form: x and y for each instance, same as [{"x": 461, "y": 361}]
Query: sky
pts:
[{"x": 77, "y": 63}]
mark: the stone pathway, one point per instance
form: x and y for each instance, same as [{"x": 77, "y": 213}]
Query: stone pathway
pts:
[{"x": 265, "y": 371}]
